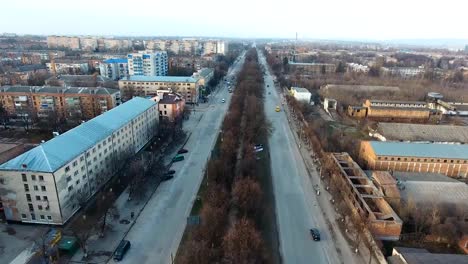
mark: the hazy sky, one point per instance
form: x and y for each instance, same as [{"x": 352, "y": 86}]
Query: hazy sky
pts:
[{"x": 324, "y": 19}]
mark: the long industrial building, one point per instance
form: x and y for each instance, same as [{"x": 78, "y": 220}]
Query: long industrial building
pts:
[
  {"x": 46, "y": 184},
  {"x": 447, "y": 159}
]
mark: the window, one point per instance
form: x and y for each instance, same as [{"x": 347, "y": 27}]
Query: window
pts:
[
  {"x": 24, "y": 177},
  {"x": 33, "y": 216},
  {"x": 82, "y": 168},
  {"x": 81, "y": 158},
  {"x": 45, "y": 198},
  {"x": 2, "y": 181},
  {"x": 26, "y": 188},
  {"x": 165, "y": 106},
  {"x": 77, "y": 182},
  {"x": 69, "y": 178},
  {"x": 42, "y": 217},
  {"x": 67, "y": 168},
  {"x": 76, "y": 173},
  {"x": 41, "y": 178},
  {"x": 33, "y": 177},
  {"x": 43, "y": 188},
  {"x": 39, "y": 207},
  {"x": 49, "y": 217},
  {"x": 95, "y": 158},
  {"x": 94, "y": 150},
  {"x": 75, "y": 163},
  {"x": 31, "y": 207},
  {"x": 70, "y": 188},
  {"x": 38, "y": 198},
  {"x": 23, "y": 216},
  {"x": 99, "y": 146},
  {"x": 28, "y": 197}
]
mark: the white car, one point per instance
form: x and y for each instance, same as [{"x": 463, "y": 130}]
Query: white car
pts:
[{"x": 223, "y": 101}]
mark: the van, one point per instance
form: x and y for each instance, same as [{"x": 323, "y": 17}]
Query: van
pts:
[
  {"x": 177, "y": 158},
  {"x": 122, "y": 248}
]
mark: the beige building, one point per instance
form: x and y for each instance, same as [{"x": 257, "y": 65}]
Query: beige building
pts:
[
  {"x": 54, "y": 42},
  {"x": 188, "y": 87},
  {"x": 312, "y": 68},
  {"x": 47, "y": 184},
  {"x": 89, "y": 44},
  {"x": 80, "y": 103}
]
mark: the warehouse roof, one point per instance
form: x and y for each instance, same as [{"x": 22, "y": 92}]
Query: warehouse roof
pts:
[
  {"x": 138, "y": 78},
  {"x": 55, "y": 153},
  {"x": 423, "y": 150},
  {"x": 116, "y": 60}
]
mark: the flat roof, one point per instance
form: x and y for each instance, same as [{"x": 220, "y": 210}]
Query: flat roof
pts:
[
  {"x": 424, "y": 150},
  {"x": 309, "y": 64},
  {"x": 419, "y": 132},
  {"x": 55, "y": 153},
  {"x": 116, "y": 60},
  {"x": 138, "y": 78},
  {"x": 365, "y": 88},
  {"x": 301, "y": 90},
  {"x": 58, "y": 90}
]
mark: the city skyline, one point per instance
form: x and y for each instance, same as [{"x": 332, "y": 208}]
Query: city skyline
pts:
[{"x": 337, "y": 19}]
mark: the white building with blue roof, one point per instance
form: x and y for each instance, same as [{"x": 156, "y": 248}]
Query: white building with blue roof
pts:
[
  {"x": 46, "y": 184},
  {"x": 114, "y": 69},
  {"x": 148, "y": 63}
]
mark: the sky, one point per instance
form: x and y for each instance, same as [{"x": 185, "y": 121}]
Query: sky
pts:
[{"x": 312, "y": 19}]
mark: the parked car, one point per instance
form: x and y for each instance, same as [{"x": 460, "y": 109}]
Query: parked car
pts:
[
  {"x": 223, "y": 101},
  {"x": 178, "y": 158},
  {"x": 167, "y": 177},
  {"x": 122, "y": 248},
  {"x": 182, "y": 151},
  {"x": 315, "y": 234},
  {"x": 277, "y": 109},
  {"x": 170, "y": 172}
]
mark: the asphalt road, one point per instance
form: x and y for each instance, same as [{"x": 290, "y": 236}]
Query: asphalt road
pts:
[
  {"x": 296, "y": 207},
  {"x": 159, "y": 228}
]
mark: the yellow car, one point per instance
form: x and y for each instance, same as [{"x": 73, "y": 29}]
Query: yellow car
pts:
[{"x": 277, "y": 109}]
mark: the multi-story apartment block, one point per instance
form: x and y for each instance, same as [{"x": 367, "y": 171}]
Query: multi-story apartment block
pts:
[
  {"x": 312, "y": 68},
  {"x": 147, "y": 64},
  {"x": 67, "y": 103},
  {"x": 74, "y": 67},
  {"x": 448, "y": 159},
  {"x": 47, "y": 184},
  {"x": 204, "y": 76},
  {"x": 114, "y": 69},
  {"x": 89, "y": 44},
  {"x": 404, "y": 72},
  {"x": 188, "y": 87},
  {"x": 54, "y": 42}
]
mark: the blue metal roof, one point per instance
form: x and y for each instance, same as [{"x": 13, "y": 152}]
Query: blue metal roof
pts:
[
  {"x": 116, "y": 60},
  {"x": 55, "y": 153},
  {"x": 141, "y": 78},
  {"x": 424, "y": 150}
]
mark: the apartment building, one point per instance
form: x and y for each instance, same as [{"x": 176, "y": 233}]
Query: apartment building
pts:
[
  {"x": 81, "y": 81},
  {"x": 114, "y": 69},
  {"x": 81, "y": 103},
  {"x": 147, "y": 63},
  {"x": 447, "y": 159},
  {"x": 74, "y": 67},
  {"x": 312, "y": 68},
  {"x": 188, "y": 87},
  {"x": 54, "y": 42},
  {"x": 171, "y": 107},
  {"x": 204, "y": 76},
  {"x": 47, "y": 184},
  {"x": 88, "y": 44},
  {"x": 365, "y": 199}
]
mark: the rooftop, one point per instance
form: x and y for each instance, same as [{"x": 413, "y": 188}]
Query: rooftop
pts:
[
  {"x": 116, "y": 60},
  {"x": 424, "y": 150},
  {"x": 418, "y": 132},
  {"x": 364, "y": 88},
  {"x": 58, "y": 90},
  {"x": 55, "y": 153},
  {"x": 300, "y": 90},
  {"x": 309, "y": 64},
  {"x": 397, "y": 102},
  {"x": 170, "y": 99},
  {"x": 422, "y": 256},
  {"x": 138, "y": 78}
]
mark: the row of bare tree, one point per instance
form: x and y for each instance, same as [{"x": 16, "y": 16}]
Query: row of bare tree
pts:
[{"x": 232, "y": 201}]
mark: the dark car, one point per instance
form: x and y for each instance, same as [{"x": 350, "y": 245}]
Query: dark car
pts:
[
  {"x": 122, "y": 248},
  {"x": 315, "y": 234},
  {"x": 182, "y": 151},
  {"x": 170, "y": 172},
  {"x": 167, "y": 177}
]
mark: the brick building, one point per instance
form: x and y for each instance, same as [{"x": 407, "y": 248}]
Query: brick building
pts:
[
  {"x": 80, "y": 102},
  {"x": 365, "y": 199},
  {"x": 447, "y": 159},
  {"x": 392, "y": 110}
]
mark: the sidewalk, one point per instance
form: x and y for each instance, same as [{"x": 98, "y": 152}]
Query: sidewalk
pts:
[{"x": 324, "y": 199}]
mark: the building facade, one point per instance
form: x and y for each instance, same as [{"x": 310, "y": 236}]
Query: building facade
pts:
[
  {"x": 392, "y": 110},
  {"x": 147, "y": 64},
  {"x": 312, "y": 68},
  {"x": 68, "y": 67},
  {"x": 447, "y": 159},
  {"x": 204, "y": 76},
  {"x": 47, "y": 184},
  {"x": 54, "y": 42},
  {"x": 114, "y": 69},
  {"x": 301, "y": 94},
  {"x": 171, "y": 107},
  {"x": 66, "y": 103},
  {"x": 188, "y": 87}
]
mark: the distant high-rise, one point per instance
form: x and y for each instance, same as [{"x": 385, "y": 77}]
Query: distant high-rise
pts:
[{"x": 147, "y": 63}]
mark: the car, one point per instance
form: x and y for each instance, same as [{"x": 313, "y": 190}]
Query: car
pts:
[
  {"x": 223, "y": 101},
  {"x": 182, "y": 151},
  {"x": 314, "y": 232},
  {"x": 230, "y": 90},
  {"x": 268, "y": 85},
  {"x": 167, "y": 177},
  {"x": 178, "y": 158},
  {"x": 122, "y": 248},
  {"x": 277, "y": 109},
  {"x": 170, "y": 172}
]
